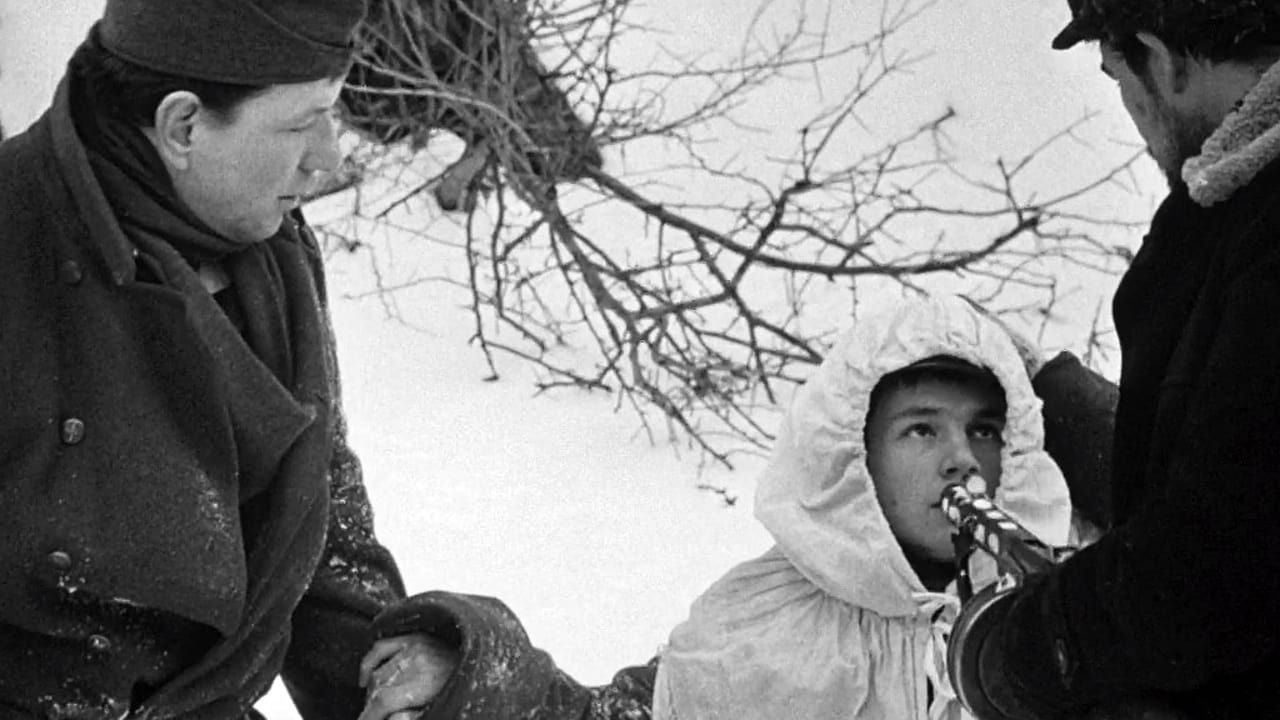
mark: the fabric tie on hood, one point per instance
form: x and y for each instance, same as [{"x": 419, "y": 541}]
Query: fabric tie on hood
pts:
[
  {"x": 942, "y": 609},
  {"x": 833, "y": 622}
]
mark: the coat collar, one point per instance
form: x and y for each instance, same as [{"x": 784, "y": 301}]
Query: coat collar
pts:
[
  {"x": 106, "y": 238},
  {"x": 1247, "y": 141}
]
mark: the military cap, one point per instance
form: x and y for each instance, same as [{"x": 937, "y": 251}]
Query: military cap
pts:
[
  {"x": 1211, "y": 26},
  {"x": 246, "y": 42}
]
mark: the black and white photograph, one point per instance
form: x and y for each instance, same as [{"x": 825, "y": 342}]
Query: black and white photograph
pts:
[{"x": 639, "y": 359}]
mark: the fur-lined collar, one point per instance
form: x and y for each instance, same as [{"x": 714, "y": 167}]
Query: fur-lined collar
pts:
[{"x": 1247, "y": 141}]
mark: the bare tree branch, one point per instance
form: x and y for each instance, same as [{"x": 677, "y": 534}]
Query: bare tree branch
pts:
[{"x": 702, "y": 288}]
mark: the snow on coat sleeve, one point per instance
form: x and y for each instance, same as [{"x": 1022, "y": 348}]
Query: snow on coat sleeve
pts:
[
  {"x": 355, "y": 579},
  {"x": 501, "y": 675}
]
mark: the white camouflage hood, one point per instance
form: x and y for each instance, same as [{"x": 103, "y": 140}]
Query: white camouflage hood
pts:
[{"x": 833, "y": 622}]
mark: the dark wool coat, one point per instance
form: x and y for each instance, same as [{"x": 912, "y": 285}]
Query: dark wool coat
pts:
[
  {"x": 1181, "y": 599},
  {"x": 131, "y": 551},
  {"x": 502, "y": 675}
]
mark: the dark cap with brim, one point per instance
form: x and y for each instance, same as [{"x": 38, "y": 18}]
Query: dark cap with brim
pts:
[
  {"x": 950, "y": 365},
  {"x": 245, "y": 42},
  {"x": 1069, "y": 36},
  {"x": 1084, "y": 26}
]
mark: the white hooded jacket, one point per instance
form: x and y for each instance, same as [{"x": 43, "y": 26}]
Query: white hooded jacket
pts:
[{"x": 833, "y": 622}]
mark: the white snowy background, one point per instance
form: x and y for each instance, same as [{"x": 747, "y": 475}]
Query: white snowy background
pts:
[{"x": 558, "y": 504}]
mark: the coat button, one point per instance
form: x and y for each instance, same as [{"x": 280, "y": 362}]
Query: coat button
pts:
[
  {"x": 72, "y": 431},
  {"x": 99, "y": 643},
  {"x": 60, "y": 560},
  {"x": 70, "y": 272}
]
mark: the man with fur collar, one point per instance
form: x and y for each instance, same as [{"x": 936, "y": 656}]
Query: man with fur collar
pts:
[{"x": 1176, "y": 605}]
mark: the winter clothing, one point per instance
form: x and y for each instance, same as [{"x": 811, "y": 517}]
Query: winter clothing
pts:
[
  {"x": 834, "y": 620},
  {"x": 1079, "y": 425},
  {"x": 1252, "y": 21},
  {"x": 225, "y": 40},
  {"x": 502, "y": 676},
  {"x": 185, "y": 518},
  {"x": 1179, "y": 600},
  {"x": 1247, "y": 142}
]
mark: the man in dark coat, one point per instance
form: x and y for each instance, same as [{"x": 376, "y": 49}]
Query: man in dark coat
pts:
[
  {"x": 1176, "y": 606},
  {"x": 184, "y": 521}
]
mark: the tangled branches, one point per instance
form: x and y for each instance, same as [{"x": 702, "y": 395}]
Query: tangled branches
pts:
[
  {"x": 704, "y": 285},
  {"x": 469, "y": 67}
]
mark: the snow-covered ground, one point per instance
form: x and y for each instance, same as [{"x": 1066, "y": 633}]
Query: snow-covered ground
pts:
[{"x": 595, "y": 538}]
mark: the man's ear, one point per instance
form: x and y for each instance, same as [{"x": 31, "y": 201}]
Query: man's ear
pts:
[
  {"x": 175, "y": 122},
  {"x": 1169, "y": 69}
]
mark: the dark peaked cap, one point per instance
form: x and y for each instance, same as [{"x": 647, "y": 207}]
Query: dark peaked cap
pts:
[
  {"x": 1187, "y": 19},
  {"x": 245, "y": 42}
]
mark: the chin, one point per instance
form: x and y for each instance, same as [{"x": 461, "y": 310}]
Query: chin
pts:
[
  {"x": 948, "y": 556},
  {"x": 264, "y": 230},
  {"x": 1187, "y": 142},
  {"x": 939, "y": 552}
]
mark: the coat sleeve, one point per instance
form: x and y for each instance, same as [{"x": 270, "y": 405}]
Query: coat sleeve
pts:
[
  {"x": 501, "y": 675},
  {"x": 355, "y": 579},
  {"x": 1079, "y": 425},
  {"x": 1183, "y": 591}
]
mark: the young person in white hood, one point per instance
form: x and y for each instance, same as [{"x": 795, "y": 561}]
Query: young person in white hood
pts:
[{"x": 847, "y": 615}]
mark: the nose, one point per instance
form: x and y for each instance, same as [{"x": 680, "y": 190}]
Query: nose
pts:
[
  {"x": 959, "y": 461},
  {"x": 323, "y": 155}
]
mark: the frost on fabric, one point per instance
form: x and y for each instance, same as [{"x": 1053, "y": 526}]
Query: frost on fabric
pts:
[
  {"x": 106, "y": 708},
  {"x": 352, "y": 554},
  {"x": 628, "y": 697}
]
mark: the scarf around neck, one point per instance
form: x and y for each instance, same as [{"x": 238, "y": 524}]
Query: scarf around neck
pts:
[{"x": 265, "y": 356}]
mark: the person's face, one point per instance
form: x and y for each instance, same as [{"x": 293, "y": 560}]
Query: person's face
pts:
[
  {"x": 246, "y": 172},
  {"x": 1172, "y": 135},
  {"x": 921, "y": 438}
]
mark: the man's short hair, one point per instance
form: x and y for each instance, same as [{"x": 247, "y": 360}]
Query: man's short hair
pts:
[{"x": 1210, "y": 29}]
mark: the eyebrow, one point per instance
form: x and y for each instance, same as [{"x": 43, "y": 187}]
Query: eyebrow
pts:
[
  {"x": 308, "y": 114},
  {"x": 915, "y": 411},
  {"x": 991, "y": 412}
]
